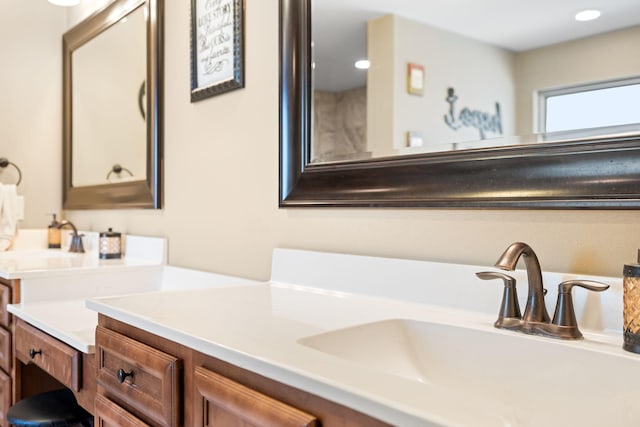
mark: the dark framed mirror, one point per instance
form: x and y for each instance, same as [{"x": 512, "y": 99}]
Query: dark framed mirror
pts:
[
  {"x": 544, "y": 170},
  {"x": 112, "y": 108}
]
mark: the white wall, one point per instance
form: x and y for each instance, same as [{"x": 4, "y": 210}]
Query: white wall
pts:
[
  {"x": 30, "y": 103},
  {"x": 221, "y": 188}
]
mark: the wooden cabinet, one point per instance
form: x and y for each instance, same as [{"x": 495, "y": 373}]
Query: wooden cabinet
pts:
[
  {"x": 214, "y": 392},
  {"x": 220, "y": 401},
  {"x": 108, "y": 414},
  {"x": 9, "y": 293},
  {"x": 5, "y": 396},
  {"x": 138, "y": 377}
]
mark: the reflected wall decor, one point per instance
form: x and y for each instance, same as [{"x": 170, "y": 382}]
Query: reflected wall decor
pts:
[{"x": 415, "y": 79}]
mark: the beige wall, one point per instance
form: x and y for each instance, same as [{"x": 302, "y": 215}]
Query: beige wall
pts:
[
  {"x": 30, "y": 102},
  {"x": 221, "y": 187},
  {"x": 381, "y": 100}
]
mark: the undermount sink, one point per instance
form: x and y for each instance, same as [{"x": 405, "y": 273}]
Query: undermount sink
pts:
[{"x": 540, "y": 380}]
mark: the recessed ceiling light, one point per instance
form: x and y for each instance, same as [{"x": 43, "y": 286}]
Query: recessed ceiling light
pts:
[
  {"x": 587, "y": 15},
  {"x": 363, "y": 64},
  {"x": 65, "y": 2}
]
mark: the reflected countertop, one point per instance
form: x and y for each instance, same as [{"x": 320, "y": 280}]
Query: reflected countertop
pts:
[
  {"x": 29, "y": 257},
  {"x": 46, "y": 262}
]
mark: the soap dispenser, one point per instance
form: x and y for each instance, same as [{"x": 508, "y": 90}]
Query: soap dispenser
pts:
[{"x": 54, "y": 239}]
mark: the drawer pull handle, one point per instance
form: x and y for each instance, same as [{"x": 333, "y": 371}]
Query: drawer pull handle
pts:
[
  {"x": 122, "y": 375},
  {"x": 33, "y": 353}
]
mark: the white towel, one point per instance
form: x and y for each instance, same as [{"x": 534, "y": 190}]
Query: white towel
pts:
[{"x": 8, "y": 215}]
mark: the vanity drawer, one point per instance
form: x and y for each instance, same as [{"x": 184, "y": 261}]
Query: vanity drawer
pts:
[
  {"x": 140, "y": 378},
  {"x": 57, "y": 358},
  {"x": 108, "y": 414},
  {"x": 219, "y": 401},
  {"x": 5, "y": 298},
  {"x": 5, "y": 349}
]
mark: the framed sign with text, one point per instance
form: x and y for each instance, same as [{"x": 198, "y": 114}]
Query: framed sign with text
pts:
[{"x": 217, "y": 47}]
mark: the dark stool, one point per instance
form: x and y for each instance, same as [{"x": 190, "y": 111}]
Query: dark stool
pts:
[{"x": 57, "y": 408}]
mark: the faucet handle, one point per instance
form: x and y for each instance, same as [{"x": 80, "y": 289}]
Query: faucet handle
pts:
[
  {"x": 565, "y": 315},
  {"x": 510, "y": 308}
]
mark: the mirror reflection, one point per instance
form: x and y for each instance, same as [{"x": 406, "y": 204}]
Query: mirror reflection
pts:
[
  {"x": 113, "y": 109},
  {"x": 452, "y": 75},
  {"x": 108, "y": 126}
]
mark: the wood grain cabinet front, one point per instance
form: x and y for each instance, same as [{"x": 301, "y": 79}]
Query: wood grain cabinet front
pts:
[
  {"x": 220, "y": 401},
  {"x": 5, "y": 397},
  {"x": 143, "y": 380},
  {"x": 9, "y": 293},
  {"x": 108, "y": 414},
  {"x": 5, "y": 298},
  {"x": 5, "y": 350},
  {"x": 61, "y": 361}
]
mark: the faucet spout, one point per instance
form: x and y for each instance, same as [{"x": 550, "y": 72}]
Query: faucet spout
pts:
[
  {"x": 535, "y": 310},
  {"x": 76, "y": 239}
]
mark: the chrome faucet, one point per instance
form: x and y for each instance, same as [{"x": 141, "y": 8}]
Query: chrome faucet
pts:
[
  {"x": 535, "y": 310},
  {"x": 535, "y": 319},
  {"x": 76, "y": 239}
]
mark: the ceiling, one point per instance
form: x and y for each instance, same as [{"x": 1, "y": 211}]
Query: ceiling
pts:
[{"x": 339, "y": 26}]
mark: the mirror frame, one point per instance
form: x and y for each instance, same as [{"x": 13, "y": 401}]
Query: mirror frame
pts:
[
  {"x": 596, "y": 173},
  {"x": 133, "y": 194}
]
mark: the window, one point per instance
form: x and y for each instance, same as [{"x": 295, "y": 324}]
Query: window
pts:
[{"x": 613, "y": 105}]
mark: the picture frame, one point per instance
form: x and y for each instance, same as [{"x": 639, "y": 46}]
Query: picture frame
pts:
[
  {"x": 217, "y": 47},
  {"x": 415, "y": 79}
]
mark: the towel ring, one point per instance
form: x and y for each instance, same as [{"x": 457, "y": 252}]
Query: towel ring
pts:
[
  {"x": 4, "y": 162},
  {"x": 117, "y": 169}
]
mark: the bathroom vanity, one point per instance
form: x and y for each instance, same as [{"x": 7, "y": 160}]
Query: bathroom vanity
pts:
[
  {"x": 351, "y": 340},
  {"x": 339, "y": 340},
  {"x": 33, "y": 275}
]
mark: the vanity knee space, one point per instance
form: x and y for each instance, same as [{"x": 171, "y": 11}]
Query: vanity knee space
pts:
[
  {"x": 59, "y": 360},
  {"x": 43, "y": 363}
]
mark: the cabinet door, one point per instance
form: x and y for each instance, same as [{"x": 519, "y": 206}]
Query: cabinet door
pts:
[
  {"x": 140, "y": 378},
  {"x": 108, "y": 414},
  {"x": 5, "y": 398},
  {"x": 5, "y": 349},
  {"x": 220, "y": 401},
  {"x": 5, "y": 298}
]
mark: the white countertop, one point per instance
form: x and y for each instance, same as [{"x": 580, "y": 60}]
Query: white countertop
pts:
[
  {"x": 32, "y": 260},
  {"x": 259, "y": 327},
  {"x": 69, "y": 320}
]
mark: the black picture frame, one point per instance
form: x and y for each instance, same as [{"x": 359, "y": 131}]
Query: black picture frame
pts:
[
  {"x": 594, "y": 173},
  {"x": 217, "y": 47}
]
